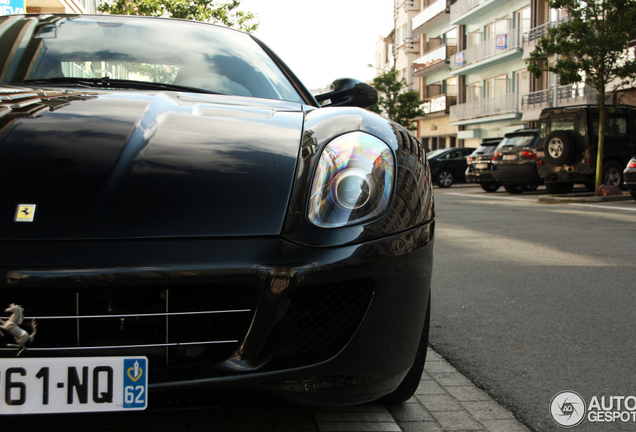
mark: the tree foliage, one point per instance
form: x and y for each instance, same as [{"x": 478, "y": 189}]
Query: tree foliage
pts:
[
  {"x": 591, "y": 45},
  {"x": 224, "y": 13},
  {"x": 396, "y": 100}
]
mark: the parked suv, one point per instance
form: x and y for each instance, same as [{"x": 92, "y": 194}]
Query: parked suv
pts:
[
  {"x": 479, "y": 162},
  {"x": 568, "y": 141},
  {"x": 514, "y": 163}
]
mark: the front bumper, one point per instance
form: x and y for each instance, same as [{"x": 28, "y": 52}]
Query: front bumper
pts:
[{"x": 290, "y": 346}]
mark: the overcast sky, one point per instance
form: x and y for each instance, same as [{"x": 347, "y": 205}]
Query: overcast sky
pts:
[{"x": 322, "y": 40}]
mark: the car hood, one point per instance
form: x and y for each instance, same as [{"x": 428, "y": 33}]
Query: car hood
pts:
[{"x": 130, "y": 164}]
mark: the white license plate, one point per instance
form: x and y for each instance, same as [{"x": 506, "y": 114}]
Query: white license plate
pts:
[
  {"x": 509, "y": 157},
  {"x": 481, "y": 166},
  {"x": 540, "y": 154},
  {"x": 65, "y": 385}
]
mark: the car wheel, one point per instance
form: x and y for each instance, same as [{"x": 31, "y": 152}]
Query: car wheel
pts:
[
  {"x": 445, "y": 178},
  {"x": 514, "y": 189},
  {"x": 633, "y": 194},
  {"x": 531, "y": 188},
  {"x": 559, "y": 188},
  {"x": 490, "y": 186},
  {"x": 409, "y": 384},
  {"x": 612, "y": 174},
  {"x": 559, "y": 147}
]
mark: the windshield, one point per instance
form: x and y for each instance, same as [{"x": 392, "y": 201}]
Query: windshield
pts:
[
  {"x": 434, "y": 153},
  {"x": 153, "y": 50},
  {"x": 518, "y": 141},
  {"x": 484, "y": 150}
]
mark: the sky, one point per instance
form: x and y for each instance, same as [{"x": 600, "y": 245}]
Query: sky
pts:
[{"x": 322, "y": 40}]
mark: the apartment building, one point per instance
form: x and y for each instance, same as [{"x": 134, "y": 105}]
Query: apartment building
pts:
[
  {"x": 8, "y": 7},
  {"x": 438, "y": 88},
  {"x": 546, "y": 92},
  {"x": 469, "y": 69}
]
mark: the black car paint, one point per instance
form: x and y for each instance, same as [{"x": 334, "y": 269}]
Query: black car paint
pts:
[
  {"x": 133, "y": 172},
  {"x": 230, "y": 230}
]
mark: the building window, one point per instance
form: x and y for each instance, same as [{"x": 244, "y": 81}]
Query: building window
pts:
[
  {"x": 497, "y": 86},
  {"x": 473, "y": 92}
]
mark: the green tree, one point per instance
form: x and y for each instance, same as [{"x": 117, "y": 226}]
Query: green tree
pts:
[
  {"x": 591, "y": 47},
  {"x": 225, "y": 13},
  {"x": 396, "y": 100}
]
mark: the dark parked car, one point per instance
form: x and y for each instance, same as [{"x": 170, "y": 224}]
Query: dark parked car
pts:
[
  {"x": 629, "y": 177},
  {"x": 449, "y": 165},
  {"x": 181, "y": 216},
  {"x": 479, "y": 163},
  {"x": 515, "y": 161},
  {"x": 568, "y": 141}
]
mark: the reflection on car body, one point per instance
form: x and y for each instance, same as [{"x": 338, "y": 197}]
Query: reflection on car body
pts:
[{"x": 197, "y": 208}]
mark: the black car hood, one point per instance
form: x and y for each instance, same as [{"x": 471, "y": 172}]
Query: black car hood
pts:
[{"x": 132, "y": 164}]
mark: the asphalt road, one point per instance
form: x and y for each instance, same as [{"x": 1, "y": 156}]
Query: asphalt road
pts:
[{"x": 532, "y": 299}]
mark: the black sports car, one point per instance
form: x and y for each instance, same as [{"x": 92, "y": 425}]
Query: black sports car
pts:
[{"x": 179, "y": 215}]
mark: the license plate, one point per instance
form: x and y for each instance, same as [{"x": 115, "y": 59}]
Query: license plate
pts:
[
  {"x": 540, "y": 154},
  {"x": 510, "y": 157},
  {"x": 66, "y": 385},
  {"x": 481, "y": 166}
]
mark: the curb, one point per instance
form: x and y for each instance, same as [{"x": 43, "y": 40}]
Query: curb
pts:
[{"x": 583, "y": 198}]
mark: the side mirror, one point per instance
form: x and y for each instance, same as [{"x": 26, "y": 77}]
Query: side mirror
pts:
[{"x": 349, "y": 92}]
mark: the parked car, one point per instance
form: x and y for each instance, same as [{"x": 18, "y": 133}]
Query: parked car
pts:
[
  {"x": 515, "y": 161},
  {"x": 629, "y": 177},
  {"x": 568, "y": 140},
  {"x": 479, "y": 162},
  {"x": 181, "y": 216},
  {"x": 448, "y": 166}
]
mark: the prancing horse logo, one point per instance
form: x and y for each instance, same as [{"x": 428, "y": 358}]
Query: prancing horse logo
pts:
[{"x": 12, "y": 325}]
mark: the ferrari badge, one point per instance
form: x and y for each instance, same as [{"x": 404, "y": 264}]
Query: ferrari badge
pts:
[{"x": 25, "y": 213}]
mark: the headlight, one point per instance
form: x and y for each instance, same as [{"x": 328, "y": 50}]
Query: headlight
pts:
[{"x": 353, "y": 181}]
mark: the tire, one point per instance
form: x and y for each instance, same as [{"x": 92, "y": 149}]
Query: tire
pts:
[
  {"x": 559, "y": 147},
  {"x": 613, "y": 174},
  {"x": 633, "y": 194},
  {"x": 445, "y": 178},
  {"x": 490, "y": 186},
  {"x": 531, "y": 188},
  {"x": 514, "y": 189},
  {"x": 409, "y": 384},
  {"x": 559, "y": 188}
]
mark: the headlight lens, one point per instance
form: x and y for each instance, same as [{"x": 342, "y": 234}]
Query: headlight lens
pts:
[{"x": 353, "y": 181}]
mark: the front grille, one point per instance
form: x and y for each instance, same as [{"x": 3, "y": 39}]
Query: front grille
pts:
[
  {"x": 319, "y": 322},
  {"x": 172, "y": 326}
]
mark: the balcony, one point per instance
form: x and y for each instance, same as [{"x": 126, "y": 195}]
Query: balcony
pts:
[
  {"x": 465, "y": 11},
  {"x": 574, "y": 94},
  {"x": 433, "y": 59},
  {"x": 531, "y": 38},
  {"x": 434, "y": 10},
  {"x": 499, "y": 107},
  {"x": 495, "y": 49},
  {"x": 439, "y": 104}
]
